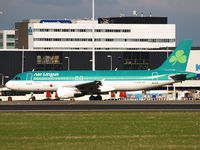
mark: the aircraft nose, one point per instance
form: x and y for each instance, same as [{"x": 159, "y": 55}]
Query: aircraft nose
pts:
[{"x": 8, "y": 84}]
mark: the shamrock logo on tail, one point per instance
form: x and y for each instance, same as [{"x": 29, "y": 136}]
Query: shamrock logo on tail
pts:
[{"x": 180, "y": 57}]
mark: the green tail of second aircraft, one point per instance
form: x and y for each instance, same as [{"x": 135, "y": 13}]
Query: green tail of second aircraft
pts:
[{"x": 177, "y": 61}]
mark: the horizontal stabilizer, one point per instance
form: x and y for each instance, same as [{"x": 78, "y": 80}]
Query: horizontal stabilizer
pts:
[{"x": 180, "y": 77}]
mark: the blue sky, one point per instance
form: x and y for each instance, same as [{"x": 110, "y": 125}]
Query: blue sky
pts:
[{"x": 184, "y": 13}]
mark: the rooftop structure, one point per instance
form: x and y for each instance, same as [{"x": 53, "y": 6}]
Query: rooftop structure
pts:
[{"x": 133, "y": 20}]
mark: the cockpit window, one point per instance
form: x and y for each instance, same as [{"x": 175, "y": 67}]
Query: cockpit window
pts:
[{"x": 17, "y": 78}]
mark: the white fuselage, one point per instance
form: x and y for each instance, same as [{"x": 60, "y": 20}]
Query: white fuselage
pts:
[{"x": 45, "y": 86}]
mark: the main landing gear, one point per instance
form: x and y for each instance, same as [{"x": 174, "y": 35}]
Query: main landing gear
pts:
[{"x": 98, "y": 98}]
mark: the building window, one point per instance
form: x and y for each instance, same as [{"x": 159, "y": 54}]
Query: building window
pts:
[
  {"x": 10, "y": 36},
  {"x": 81, "y": 30},
  {"x": 1, "y": 35},
  {"x": 10, "y": 45},
  {"x": 106, "y": 40},
  {"x": 136, "y": 61},
  {"x": 49, "y": 61}
]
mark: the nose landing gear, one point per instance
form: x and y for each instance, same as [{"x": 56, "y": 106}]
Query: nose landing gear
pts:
[{"x": 32, "y": 98}]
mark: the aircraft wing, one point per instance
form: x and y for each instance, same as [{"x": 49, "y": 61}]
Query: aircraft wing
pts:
[
  {"x": 179, "y": 77},
  {"x": 89, "y": 87}
]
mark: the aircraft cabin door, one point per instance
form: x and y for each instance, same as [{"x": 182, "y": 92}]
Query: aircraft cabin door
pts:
[
  {"x": 29, "y": 79},
  {"x": 155, "y": 78}
]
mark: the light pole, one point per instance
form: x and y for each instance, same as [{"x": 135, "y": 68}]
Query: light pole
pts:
[
  {"x": 2, "y": 78},
  {"x": 109, "y": 56},
  {"x": 22, "y": 61},
  {"x": 91, "y": 62},
  {"x": 167, "y": 85},
  {"x": 68, "y": 61},
  {"x": 93, "y": 49}
]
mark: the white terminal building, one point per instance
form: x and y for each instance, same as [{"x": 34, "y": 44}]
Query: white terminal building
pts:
[
  {"x": 128, "y": 40},
  {"x": 77, "y": 35}
]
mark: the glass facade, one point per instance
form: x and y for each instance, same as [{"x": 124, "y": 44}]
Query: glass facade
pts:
[
  {"x": 129, "y": 60},
  {"x": 136, "y": 61},
  {"x": 49, "y": 61}
]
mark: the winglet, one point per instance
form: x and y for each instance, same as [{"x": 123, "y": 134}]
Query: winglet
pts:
[{"x": 177, "y": 61}]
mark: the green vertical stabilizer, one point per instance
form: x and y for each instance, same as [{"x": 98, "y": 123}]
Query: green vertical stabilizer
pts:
[{"x": 177, "y": 61}]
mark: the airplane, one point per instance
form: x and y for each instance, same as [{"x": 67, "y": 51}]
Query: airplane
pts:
[{"x": 70, "y": 84}]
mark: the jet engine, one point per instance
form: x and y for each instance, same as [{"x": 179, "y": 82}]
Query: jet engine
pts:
[
  {"x": 106, "y": 89},
  {"x": 66, "y": 92}
]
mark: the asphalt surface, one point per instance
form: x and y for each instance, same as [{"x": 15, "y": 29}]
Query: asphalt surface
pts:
[{"x": 98, "y": 105}]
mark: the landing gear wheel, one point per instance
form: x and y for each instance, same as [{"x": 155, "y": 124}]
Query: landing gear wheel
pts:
[
  {"x": 72, "y": 99},
  {"x": 92, "y": 98},
  {"x": 99, "y": 97}
]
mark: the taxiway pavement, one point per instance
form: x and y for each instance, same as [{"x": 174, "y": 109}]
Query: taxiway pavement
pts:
[{"x": 98, "y": 105}]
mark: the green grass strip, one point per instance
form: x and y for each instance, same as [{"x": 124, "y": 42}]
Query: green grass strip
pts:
[{"x": 100, "y": 130}]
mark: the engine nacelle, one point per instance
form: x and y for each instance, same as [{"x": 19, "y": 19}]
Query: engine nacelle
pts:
[
  {"x": 66, "y": 92},
  {"x": 106, "y": 89}
]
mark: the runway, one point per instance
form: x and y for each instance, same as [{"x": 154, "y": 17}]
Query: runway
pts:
[{"x": 58, "y": 106}]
